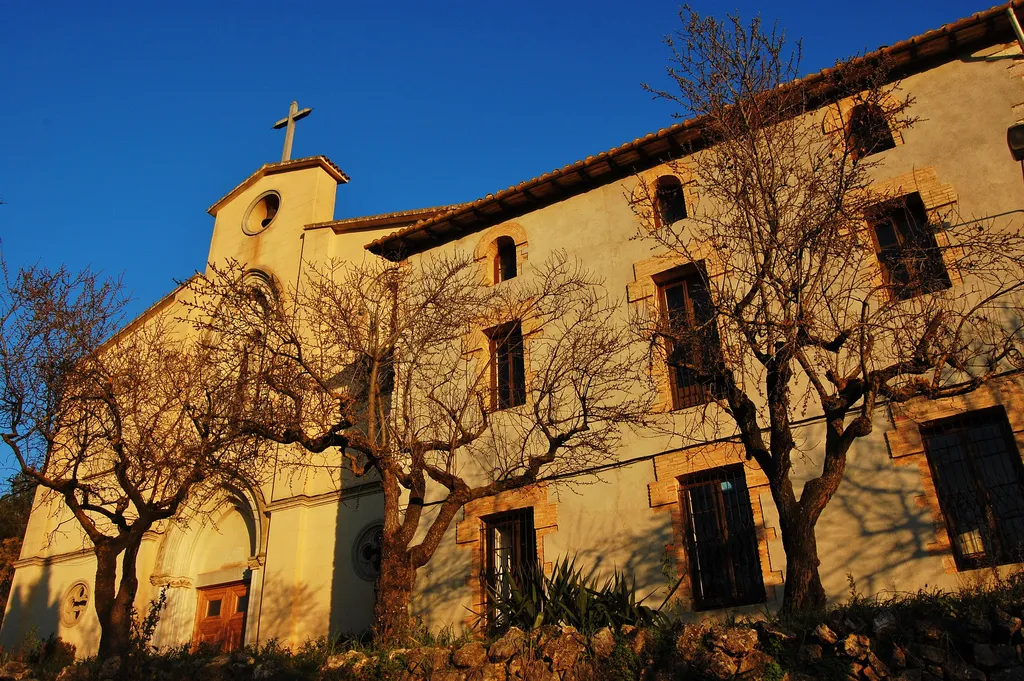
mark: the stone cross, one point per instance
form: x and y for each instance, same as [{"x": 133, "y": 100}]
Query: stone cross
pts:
[{"x": 289, "y": 124}]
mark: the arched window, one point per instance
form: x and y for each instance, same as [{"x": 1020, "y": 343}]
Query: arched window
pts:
[
  {"x": 869, "y": 131},
  {"x": 254, "y": 316},
  {"x": 669, "y": 202},
  {"x": 505, "y": 266}
]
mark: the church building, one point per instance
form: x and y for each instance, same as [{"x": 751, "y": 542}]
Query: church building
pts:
[{"x": 297, "y": 558}]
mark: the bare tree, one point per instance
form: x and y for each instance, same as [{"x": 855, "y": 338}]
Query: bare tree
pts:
[
  {"x": 390, "y": 365},
  {"x": 818, "y": 292},
  {"x": 125, "y": 429}
]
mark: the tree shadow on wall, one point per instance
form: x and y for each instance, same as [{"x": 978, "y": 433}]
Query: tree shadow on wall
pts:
[
  {"x": 875, "y": 532},
  {"x": 444, "y": 586},
  {"x": 33, "y": 612},
  {"x": 352, "y": 583},
  {"x": 289, "y": 615},
  {"x": 639, "y": 555}
]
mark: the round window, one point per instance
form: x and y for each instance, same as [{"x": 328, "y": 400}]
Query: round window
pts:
[
  {"x": 261, "y": 213},
  {"x": 74, "y": 603},
  {"x": 366, "y": 551}
]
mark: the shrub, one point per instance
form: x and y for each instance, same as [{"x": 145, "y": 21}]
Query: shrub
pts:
[
  {"x": 49, "y": 655},
  {"x": 570, "y": 596}
]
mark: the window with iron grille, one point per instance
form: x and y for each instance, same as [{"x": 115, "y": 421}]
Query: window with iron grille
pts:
[
  {"x": 725, "y": 566},
  {"x": 686, "y": 305},
  {"x": 508, "y": 366},
  {"x": 906, "y": 247},
  {"x": 979, "y": 479},
  {"x": 869, "y": 131},
  {"x": 511, "y": 545},
  {"x": 669, "y": 200}
]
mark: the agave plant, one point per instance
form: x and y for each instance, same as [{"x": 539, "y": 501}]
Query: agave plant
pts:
[{"x": 570, "y": 596}]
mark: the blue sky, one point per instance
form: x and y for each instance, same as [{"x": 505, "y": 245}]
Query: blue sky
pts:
[{"x": 122, "y": 123}]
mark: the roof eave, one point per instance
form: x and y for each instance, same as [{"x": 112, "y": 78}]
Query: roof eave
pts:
[
  {"x": 323, "y": 162},
  {"x": 911, "y": 56}
]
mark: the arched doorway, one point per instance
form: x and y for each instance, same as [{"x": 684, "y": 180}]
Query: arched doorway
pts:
[
  {"x": 212, "y": 569},
  {"x": 221, "y": 563}
]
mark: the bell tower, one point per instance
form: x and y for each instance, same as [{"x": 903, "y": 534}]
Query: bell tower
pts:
[{"x": 260, "y": 223}]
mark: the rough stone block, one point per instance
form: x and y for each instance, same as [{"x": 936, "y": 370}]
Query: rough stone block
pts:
[
  {"x": 754, "y": 663},
  {"x": 824, "y": 635},
  {"x": 428, "y": 659},
  {"x": 1005, "y": 627},
  {"x": 880, "y": 668},
  {"x": 994, "y": 656},
  {"x": 564, "y": 650},
  {"x": 1009, "y": 674},
  {"x": 602, "y": 643},
  {"x": 909, "y": 675},
  {"x": 958, "y": 671},
  {"x": 720, "y": 665},
  {"x": 856, "y": 646},
  {"x": 537, "y": 670},
  {"x": 734, "y": 640},
  {"x": 979, "y": 630},
  {"x": 508, "y": 645},
  {"x": 932, "y": 655},
  {"x": 470, "y": 655},
  {"x": 884, "y": 624},
  {"x": 898, "y": 659},
  {"x": 927, "y": 630}
]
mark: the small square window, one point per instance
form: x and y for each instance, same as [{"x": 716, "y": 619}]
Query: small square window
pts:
[{"x": 213, "y": 608}]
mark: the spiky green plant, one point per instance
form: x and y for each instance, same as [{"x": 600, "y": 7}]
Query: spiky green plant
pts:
[{"x": 569, "y": 596}]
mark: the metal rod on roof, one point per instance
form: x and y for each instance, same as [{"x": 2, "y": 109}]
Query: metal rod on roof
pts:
[{"x": 1016, "y": 26}]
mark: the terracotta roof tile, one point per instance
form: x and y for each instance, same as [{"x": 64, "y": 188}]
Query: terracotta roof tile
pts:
[
  {"x": 382, "y": 219},
  {"x": 585, "y": 174},
  {"x": 282, "y": 166}
]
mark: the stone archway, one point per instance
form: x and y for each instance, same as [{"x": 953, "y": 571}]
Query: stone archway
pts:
[{"x": 212, "y": 566}]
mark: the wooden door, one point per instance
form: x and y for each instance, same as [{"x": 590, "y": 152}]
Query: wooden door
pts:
[{"x": 220, "y": 615}]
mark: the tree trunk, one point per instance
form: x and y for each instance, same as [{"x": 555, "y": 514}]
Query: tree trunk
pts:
[
  {"x": 392, "y": 621},
  {"x": 803, "y": 591},
  {"x": 114, "y": 609}
]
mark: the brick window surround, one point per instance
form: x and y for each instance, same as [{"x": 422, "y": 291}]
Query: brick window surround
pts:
[
  {"x": 940, "y": 203},
  {"x": 508, "y": 366},
  {"x": 486, "y": 252},
  {"x": 664, "y": 496},
  {"x": 979, "y": 474},
  {"x": 907, "y": 448},
  {"x": 680, "y": 295},
  {"x": 643, "y": 298},
  {"x": 838, "y": 117},
  {"x": 469, "y": 535},
  {"x": 906, "y": 249},
  {"x": 644, "y": 195}
]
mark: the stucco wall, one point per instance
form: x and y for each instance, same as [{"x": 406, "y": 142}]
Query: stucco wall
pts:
[{"x": 876, "y": 530}]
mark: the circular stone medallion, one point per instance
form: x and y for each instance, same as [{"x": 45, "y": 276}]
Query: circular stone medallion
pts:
[
  {"x": 74, "y": 603},
  {"x": 366, "y": 551}
]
